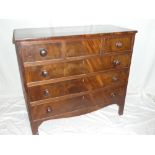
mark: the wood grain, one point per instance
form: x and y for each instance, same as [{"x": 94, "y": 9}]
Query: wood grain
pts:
[
  {"x": 114, "y": 78},
  {"x": 78, "y": 67},
  {"x": 68, "y": 72},
  {"x": 103, "y": 98}
]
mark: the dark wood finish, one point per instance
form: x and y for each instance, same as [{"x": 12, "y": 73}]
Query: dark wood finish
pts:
[
  {"x": 33, "y": 52},
  {"x": 118, "y": 43},
  {"x": 85, "y": 66},
  {"x": 60, "y": 50},
  {"x": 100, "y": 97},
  {"x": 58, "y": 89},
  {"x": 72, "y": 71},
  {"x": 82, "y": 47}
]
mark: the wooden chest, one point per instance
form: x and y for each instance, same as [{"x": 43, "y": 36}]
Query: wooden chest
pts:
[{"x": 71, "y": 71}]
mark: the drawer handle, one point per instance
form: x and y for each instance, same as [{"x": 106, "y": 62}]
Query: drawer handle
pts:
[
  {"x": 44, "y": 73},
  {"x": 43, "y": 52},
  {"x": 46, "y": 92},
  {"x": 113, "y": 94},
  {"x": 116, "y": 62},
  {"x": 49, "y": 110},
  {"x": 119, "y": 44},
  {"x": 114, "y": 78}
]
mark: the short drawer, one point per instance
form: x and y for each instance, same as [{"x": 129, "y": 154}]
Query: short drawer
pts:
[
  {"x": 120, "y": 43},
  {"x": 59, "y": 107},
  {"x": 97, "y": 99},
  {"x": 113, "y": 95},
  {"x": 54, "y": 70},
  {"x": 68, "y": 87},
  {"x": 56, "y": 89},
  {"x": 82, "y": 47},
  {"x": 107, "y": 79},
  {"x": 41, "y": 52},
  {"x": 106, "y": 62},
  {"x": 59, "y": 50}
]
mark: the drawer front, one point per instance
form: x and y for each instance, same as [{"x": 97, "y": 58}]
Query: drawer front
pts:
[
  {"x": 82, "y": 47},
  {"x": 56, "y": 89},
  {"x": 41, "y": 52},
  {"x": 101, "y": 98},
  {"x": 78, "y": 85},
  {"x": 59, "y": 50},
  {"x": 107, "y": 62},
  {"x": 58, "y": 107},
  {"x": 112, "y": 44},
  {"x": 90, "y": 65},
  {"x": 110, "y": 96},
  {"x": 52, "y": 71},
  {"x": 108, "y": 79}
]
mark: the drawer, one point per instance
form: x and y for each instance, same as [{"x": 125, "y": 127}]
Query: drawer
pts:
[
  {"x": 82, "y": 47},
  {"x": 55, "y": 108},
  {"x": 120, "y": 43},
  {"x": 101, "y": 63},
  {"x": 110, "y": 96},
  {"x": 55, "y": 70},
  {"x": 90, "y": 65},
  {"x": 107, "y": 79},
  {"x": 78, "y": 85},
  {"x": 59, "y": 107},
  {"x": 59, "y": 50},
  {"x": 41, "y": 52},
  {"x": 56, "y": 89}
]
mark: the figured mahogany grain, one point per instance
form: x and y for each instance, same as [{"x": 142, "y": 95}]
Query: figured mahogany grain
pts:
[
  {"x": 101, "y": 97},
  {"x": 85, "y": 66},
  {"x": 57, "y": 89},
  {"x": 73, "y": 70},
  {"x": 117, "y": 43}
]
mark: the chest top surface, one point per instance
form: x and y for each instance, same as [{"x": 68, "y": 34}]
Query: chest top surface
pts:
[{"x": 55, "y": 32}]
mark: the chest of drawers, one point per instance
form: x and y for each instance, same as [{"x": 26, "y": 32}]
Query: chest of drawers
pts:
[{"x": 71, "y": 71}]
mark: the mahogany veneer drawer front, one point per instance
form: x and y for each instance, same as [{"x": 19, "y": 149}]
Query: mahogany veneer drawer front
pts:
[
  {"x": 117, "y": 44},
  {"x": 72, "y": 71},
  {"x": 100, "y": 98},
  {"x": 77, "y": 67},
  {"x": 57, "y": 89}
]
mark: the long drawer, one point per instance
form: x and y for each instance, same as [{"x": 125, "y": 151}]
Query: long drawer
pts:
[
  {"x": 84, "y": 66},
  {"x": 113, "y": 78},
  {"x": 100, "y": 98}
]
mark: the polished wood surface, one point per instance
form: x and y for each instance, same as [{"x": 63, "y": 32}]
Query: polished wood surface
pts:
[
  {"x": 33, "y": 52},
  {"x": 100, "y": 97},
  {"x": 31, "y": 34},
  {"x": 72, "y": 71},
  {"x": 84, "y": 66},
  {"x": 118, "y": 43},
  {"x": 101, "y": 80}
]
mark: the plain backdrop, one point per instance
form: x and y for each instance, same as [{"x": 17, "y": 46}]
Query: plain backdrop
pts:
[{"x": 142, "y": 72}]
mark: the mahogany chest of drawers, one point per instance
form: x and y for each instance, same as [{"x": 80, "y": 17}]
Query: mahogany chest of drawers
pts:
[{"x": 71, "y": 71}]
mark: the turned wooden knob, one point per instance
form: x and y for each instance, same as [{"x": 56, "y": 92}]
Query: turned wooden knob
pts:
[
  {"x": 49, "y": 109},
  {"x": 44, "y": 73},
  {"x": 43, "y": 52},
  {"x": 113, "y": 94},
  {"x": 46, "y": 92},
  {"x": 114, "y": 78},
  {"x": 116, "y": 62},
  {"x": 119, "y": 44}
]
